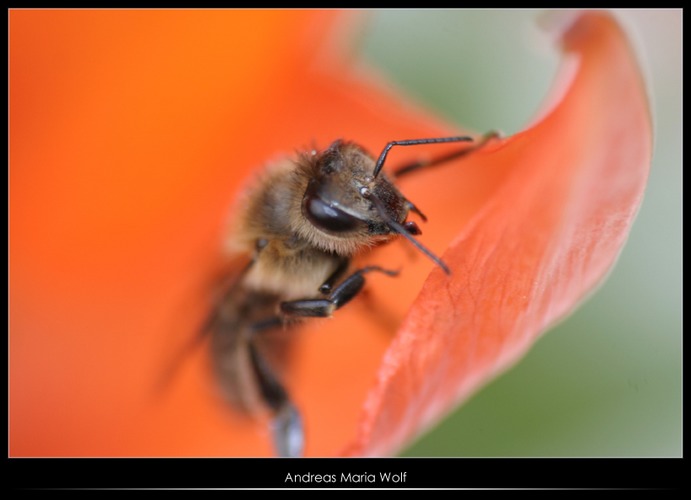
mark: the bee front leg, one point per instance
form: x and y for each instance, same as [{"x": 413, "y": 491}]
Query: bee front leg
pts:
[
  {"x": 341, "y": 295},
  {"x": 417, "y": 165},
  {"x": 327, "y": 286}
]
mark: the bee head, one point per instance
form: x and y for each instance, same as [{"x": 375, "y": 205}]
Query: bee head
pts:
[{"x": 349, "y": 202}]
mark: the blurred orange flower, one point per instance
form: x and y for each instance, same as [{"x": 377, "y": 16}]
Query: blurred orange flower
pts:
[{"x": 131, "y": 133}]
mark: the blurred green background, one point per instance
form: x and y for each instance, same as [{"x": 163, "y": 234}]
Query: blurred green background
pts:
[{"x": 606, "y": 382}]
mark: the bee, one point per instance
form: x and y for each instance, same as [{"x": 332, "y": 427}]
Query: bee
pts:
[{"x": 298, "y": 230}]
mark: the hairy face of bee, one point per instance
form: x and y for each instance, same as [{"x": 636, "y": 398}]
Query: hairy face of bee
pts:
[{"x": 336, "y": 201}]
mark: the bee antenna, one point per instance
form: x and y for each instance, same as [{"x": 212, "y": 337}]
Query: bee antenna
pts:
[
  {"x": 379, "y": 205},
  {"x": 414, "y": 142}
]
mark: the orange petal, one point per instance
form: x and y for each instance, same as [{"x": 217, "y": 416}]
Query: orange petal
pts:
[
  {"x": 554, "y": 225},
  {"x": 130, "y": 133}
]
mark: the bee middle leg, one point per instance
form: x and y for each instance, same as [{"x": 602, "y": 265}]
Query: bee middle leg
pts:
[{"x": 341, "y": 295}]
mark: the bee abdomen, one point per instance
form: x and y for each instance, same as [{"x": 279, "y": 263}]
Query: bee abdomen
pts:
[{"x": 233, "y": 341}]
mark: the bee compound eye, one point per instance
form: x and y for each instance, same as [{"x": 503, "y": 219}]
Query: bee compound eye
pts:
[{"x": 328, "y": 217}]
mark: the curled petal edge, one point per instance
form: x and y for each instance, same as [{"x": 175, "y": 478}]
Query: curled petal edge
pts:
[{"x": 540, "y": 244}]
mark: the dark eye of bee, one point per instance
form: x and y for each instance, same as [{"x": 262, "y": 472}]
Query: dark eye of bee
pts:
[{"x": 326, "y": 216}]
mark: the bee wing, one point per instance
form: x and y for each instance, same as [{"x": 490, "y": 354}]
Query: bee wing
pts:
[{"x": 222, "y": 281}]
